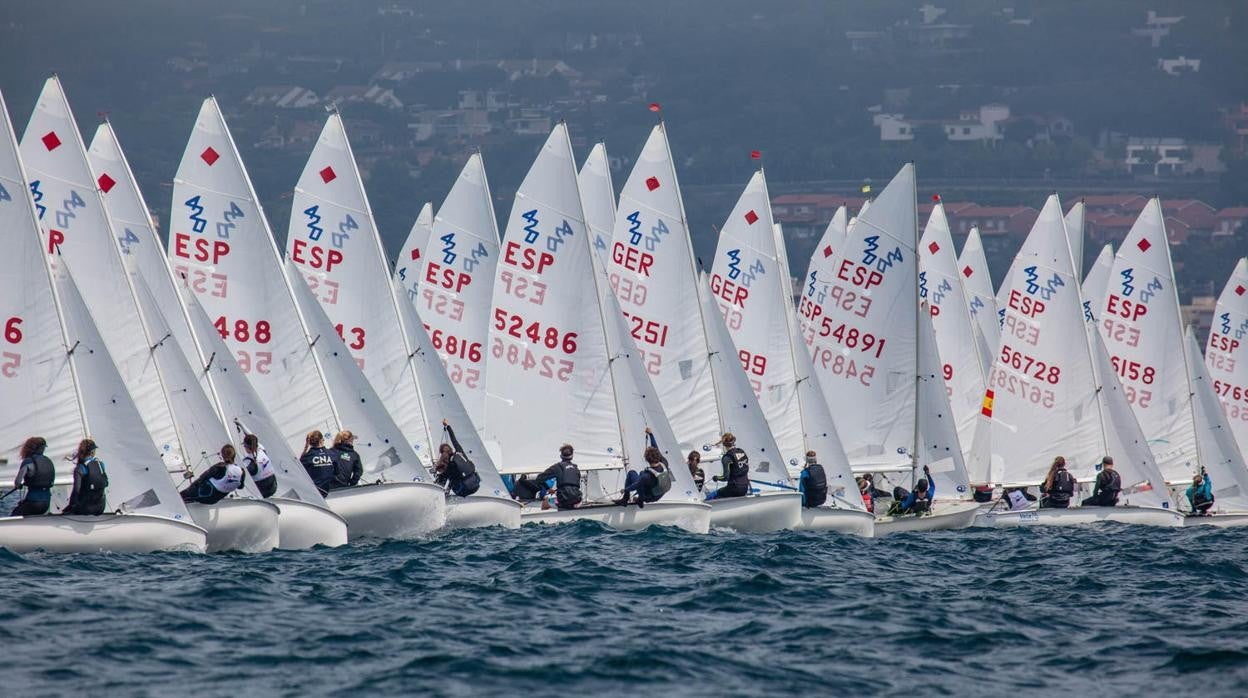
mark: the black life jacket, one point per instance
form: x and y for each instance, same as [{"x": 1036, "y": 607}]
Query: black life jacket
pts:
[
  {"x": 738, "y": 467},
  {"x": 569, "y": 475},
  {"x": 40, "y": 473},
  {"x": 1111, "y": 482},
  {"x": 1063, "y": 486},
  {"x": 92, "y": 482},
  {"x": 816, "y": 485},
  {"x": 463, "y": 467}
]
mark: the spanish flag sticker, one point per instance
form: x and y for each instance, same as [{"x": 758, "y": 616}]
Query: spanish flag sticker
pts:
[{"x": 987, "y": 408}]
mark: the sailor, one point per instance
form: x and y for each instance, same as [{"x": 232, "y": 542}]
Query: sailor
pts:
[
  {"x": 870, "y": 493},
  {"x": 567, "y": 479},
  {"x": 813, "y": 482},
  {"x": 1058, "y": 486},
  {"x": 1017, "y": 498},
  {"x": 348, "y": 469},
  {"x": 526, "y": 490},
  {"x": 36, "y": 474},
  {"x": 453, "y": 467},
  {"x": 217, "y": 482},
  {"x": 736, "y": 470},
  {"x": 653, "y": 482},
  {"x": 318, "y": 461},
  {"x": 920, "y": 500},
  {"x": 1108, "y": 485},
  {"x": 695, "y": 469},
  {"x": 257, "y": 463},
  {"x": 1200, "y": 494},
  {"x": 89, "y": 495}
]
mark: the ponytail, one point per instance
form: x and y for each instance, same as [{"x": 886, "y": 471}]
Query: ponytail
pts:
[{"x": 86, "y": 448}]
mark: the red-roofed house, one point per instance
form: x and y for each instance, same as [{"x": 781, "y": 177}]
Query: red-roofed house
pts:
[
  {"x": 994, "y": 221},
  {"x": 807, "y": 215},
  {"x": 1199, "y": 216},
  {"x": 1113, "y": 228},
  {"x": 1113, "y": 203},
  {"x": 1232, "y": 221}
]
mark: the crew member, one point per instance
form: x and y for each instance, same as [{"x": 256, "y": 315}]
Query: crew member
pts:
[
  {"x": 217, "y": 482},
  {"x": 453, "y": 466},
  {"x": 36, "y": 474}
]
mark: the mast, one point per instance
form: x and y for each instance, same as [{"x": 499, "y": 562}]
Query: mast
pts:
[
  {"x": 251, "y": 191},
  {"x": 918, "y": 308}
]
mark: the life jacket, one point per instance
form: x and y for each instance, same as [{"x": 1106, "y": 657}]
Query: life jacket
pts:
[
  {"x": 868, "y": 501},
  {"x": 92, "y": 483},
  {"x": 738, "y": 467},
  {"x": 464, "y": 466},
  {"x": 230, "y": 480},
  {"x": 662, "y": 481},
  {"x": 1113, "y": 482},
  {"x": 40, "y": 473},
  {"x": 569, "y": 475},
  {"x": 259, "y": 465},
  {"x": 816, "y": 486},
  {"x": 1063, "y": 486}
]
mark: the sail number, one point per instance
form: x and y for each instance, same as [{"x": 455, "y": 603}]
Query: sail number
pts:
[
  {"x": 242, "y": 330},
  {"x": 651, "y": 332},
  {"x": 1133, "y": 370},
  {"x": 455, "y": 346},
  {"x": 852, "y": 337},
  {"x": 753, "y": 363},
  {"x": 12, "y": 335},
  {"x": 518, "y": 327},
  {"x": 840, "y": 365},
  {"x": 518, "y": 355},
  {"x": 357, "y": 336},
  {"x": 1020, "y": 387},
  {"x": 1237, "y": 393},
  {"x": 1029, "y": 365}
]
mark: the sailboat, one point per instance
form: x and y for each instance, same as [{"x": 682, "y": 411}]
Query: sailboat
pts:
[
  {"x": 173, "y": 407},
  {"x": 357, "y": 296},
  {"x": 304, "y": 519},
  {"x": 553, "y": 375},
  {"x": 982, "y": 300},
  {"x": 762, "y": 325},
  {"x": 1052, "y": 391},
  {"x": 60, "y": 382},
  {"x": 654, "y": 275},
  {"x": 957, "y": 334},
  {"x": 1219, "y": 452},
  {"x": 874, "y": 351},
  {"x": 282, "y": 340}
]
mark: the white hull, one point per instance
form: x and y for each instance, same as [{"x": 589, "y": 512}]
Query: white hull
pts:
[
  {"x": 945, "y": 516},
  {"x": 114, "y": 533},
  {"x": 758, "y": 513},
  {"x": 857, "y": 523},
  {"x": 303, "y": 525},
  {"x": 1230, "y": 519},
  {"x": 694, "y": 517},
  {"x": 390, "y": 510},
  {"x": 242, "y": 525},
  {"x": 482, "y": 511},
  {"x": 1078, "y": 516}
]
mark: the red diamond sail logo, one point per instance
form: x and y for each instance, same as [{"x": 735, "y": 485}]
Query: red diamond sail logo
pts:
[
  {"x": 106, "y": 182},
  {"x": 827, "y": 251},
  {"x": 51, "y": 141},
  {"x": 415, "y": 253},
  {"x": 1144, "y": 244},
  {"x": 652, "y": 183},
  {"x": 933, "y": 248},
  {"x": 967, "y": 271},
  {"x": 1239, "y": 290},
  {"x": 209, "y": 156},
  {"x": 751, "y": 217},
  {"x": 328, "y": 175}
]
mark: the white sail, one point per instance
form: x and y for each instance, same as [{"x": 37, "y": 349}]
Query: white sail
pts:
[
  {"x": 652, "y": 270},
  {"x": 220, "y": 242},
  {"x": 457, "y": 284},
  {"x": 36, "y": 377},
  {"x": 1225, "y": 354},
  {"x": 411, "y": 261},
  {"x": 939, "y": 446},
  {"x": 334, "y": 243},
  {"x": 548, "y": 378},
  {"x": 136, "y": 481},
  {"x": 977, "y": 284},
  {"x": 940, "y": 285},
  {"x": 1219, "y": 452},
  {"x": 76, "y": 222},
  {"x": 738, "y": 408},
  {"x": 385, "y": 453},
  {"x": 599, "y": 194},
  {"x": 863, "y": 330},
  {"x": 751, "y": 285},
  {"x": 1041, "y": 399},
  {"x": 1096, "y": 284},
  {"x": 1074, "y": 232},
  {"x": 1142, "y": 481},
  {"x": 442, "y": 401},
  {"x": 1142, "y": 327}
]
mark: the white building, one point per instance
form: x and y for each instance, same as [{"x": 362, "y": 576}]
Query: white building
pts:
[
  {"x": 1157, "y": 156},
  {"x": 985, "y": 124}
]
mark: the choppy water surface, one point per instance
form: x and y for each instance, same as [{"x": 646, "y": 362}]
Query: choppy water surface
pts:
[{"x": 579, "y": 609}]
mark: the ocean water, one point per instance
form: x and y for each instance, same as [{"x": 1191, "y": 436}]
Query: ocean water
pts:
[{"x": 579, "y": 610}]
